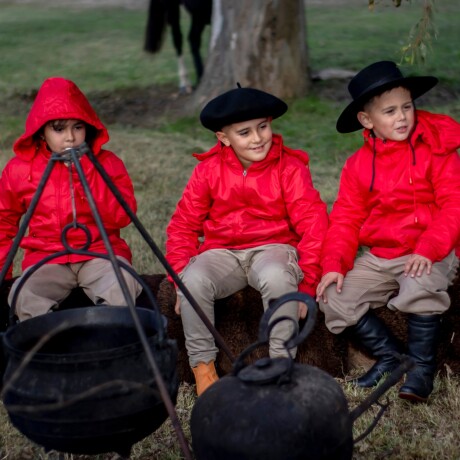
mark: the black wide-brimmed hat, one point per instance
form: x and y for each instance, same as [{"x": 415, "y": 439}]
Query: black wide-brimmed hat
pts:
[
  {"x": 373, "y": 80},
  {"x": 240, "y": 104}
]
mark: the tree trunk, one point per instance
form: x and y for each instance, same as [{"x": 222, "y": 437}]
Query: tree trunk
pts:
[{"x": 258, "y": 43}]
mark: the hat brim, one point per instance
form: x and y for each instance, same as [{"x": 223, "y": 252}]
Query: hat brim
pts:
[{"x": 348, "y": 121}]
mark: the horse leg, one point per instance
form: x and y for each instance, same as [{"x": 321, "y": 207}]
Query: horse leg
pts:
[
  {"x": 194, "y": 37},
  {"x": 185, "y": 87},
  {"x": 174, "y": 21},
  {"x": 156, "y": 26},
  {"x": 200, "y": 12}
]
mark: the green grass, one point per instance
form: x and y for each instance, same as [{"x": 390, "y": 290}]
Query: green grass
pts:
[
  {"x": 101, "y": 50},
  {"x": 350, "y": 36}
]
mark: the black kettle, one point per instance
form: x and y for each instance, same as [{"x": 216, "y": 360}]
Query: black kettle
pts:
[{"x": 276, "y": 409}]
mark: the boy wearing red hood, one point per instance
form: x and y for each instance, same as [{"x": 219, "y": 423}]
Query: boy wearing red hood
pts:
[
  {"x": 249, "y": 215},
  {"x": 61, "y": 118},
  {"x": 399, "y": 196}
]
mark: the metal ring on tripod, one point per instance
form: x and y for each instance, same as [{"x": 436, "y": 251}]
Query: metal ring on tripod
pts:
[{"x": 71, "y": 226}]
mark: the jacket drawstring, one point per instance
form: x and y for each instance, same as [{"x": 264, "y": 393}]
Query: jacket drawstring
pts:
[
  {"x": 414, "y": 162},
  {"x": 374, "y": 154},
  {"x": 409, "y": 139}
]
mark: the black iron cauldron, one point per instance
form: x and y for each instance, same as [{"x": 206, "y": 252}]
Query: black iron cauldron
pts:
[
  {"x": 276, "y": 409},
  {"x": 86, "y": 387}
]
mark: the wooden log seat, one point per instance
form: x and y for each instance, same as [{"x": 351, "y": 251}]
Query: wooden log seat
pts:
[{"x": 237, "y": 320}]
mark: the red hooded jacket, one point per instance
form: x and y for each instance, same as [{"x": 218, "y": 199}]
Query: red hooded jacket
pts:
[
  {"x": 61, "y": 99},
  {"x": 273, "y": 201},
  {"x": 414, "y": 204}
]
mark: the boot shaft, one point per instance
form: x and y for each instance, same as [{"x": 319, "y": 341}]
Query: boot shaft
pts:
[
  {"x": 423, "y": 333},
  {"x": 422, "y": 339},
  {"x": 374, "y": 335}
]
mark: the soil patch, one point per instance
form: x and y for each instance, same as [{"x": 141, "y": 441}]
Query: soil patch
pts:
[{"x": 149, "y": 107}]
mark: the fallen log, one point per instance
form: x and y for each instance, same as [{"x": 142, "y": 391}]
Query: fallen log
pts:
[{"x": 237, "y": 320}]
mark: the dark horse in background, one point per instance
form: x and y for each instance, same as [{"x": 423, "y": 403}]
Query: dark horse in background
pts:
[{"x": 164, "y": 12}]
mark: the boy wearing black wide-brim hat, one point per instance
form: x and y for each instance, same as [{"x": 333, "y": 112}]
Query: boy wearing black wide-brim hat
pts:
[
  {"x": 399, "y": 197},
  {"x": 249, "y": 215}
]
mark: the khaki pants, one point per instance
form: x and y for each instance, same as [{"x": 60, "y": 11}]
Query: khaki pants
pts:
[
  {"x": 375, "y": 282},
  {"x": 271, "y": 269},
  {"x": 52, "y": 283}
]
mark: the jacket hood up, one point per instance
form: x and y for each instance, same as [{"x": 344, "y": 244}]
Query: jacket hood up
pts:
[{"x": 58, "y": 98}]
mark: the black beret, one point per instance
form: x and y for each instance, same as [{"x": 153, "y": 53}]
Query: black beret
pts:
[{"x": 240, "y": 104}]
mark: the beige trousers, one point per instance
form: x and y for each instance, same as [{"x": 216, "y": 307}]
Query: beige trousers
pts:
[
  {"x": 375, "y": 282},
  {"x": 52, "y": 283},
  {"x": 271, "y": 269}
]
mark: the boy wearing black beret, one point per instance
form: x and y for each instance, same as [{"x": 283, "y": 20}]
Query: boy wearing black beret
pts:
[
  {"x": 399, "y": 197},
  {"x": 249, "y": 215}
]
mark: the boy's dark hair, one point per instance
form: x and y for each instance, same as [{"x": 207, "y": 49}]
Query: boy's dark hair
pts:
[{"x": 374, "y": 80}]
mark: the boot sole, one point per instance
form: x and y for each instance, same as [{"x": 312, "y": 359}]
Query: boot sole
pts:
[{"x": 413, "y": 397}]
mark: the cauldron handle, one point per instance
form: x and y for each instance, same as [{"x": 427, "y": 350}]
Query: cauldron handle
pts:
[
  {"x": 265, "y": 327},
  {"x": 297, "y": 339}
]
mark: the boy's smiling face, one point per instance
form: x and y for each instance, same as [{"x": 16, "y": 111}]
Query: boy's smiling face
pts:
[
  {"x": 251, "y": 140},
  {"x": 391, "y": 115}
]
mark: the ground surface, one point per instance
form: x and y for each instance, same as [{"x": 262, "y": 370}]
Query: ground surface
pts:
[{"x": 145, "y": 107}]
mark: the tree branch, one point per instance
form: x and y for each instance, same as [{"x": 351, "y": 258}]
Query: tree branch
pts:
[{"x": 421, "y": 34}]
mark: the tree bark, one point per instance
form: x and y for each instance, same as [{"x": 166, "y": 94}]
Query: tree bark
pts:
[{"x": 258, "y": 43}]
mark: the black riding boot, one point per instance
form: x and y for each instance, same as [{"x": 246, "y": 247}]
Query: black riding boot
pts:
[
  {"x": 380, "y": 342},
  {"x": 422, "y": 339}
]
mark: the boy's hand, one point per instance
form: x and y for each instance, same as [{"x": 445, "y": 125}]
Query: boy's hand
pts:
[
  {"x": 302, "y": 310},
  {"x": 177, "y": 306},
  {"x": 416, "y": 265},
  {"x": 327, "y": 280}
]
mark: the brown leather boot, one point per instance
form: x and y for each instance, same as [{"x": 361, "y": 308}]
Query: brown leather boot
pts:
[{"x": 205, "y": 376}]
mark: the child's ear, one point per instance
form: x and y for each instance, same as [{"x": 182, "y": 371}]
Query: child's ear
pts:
[
  {"x": 223, "y": 138},
  {"x": 365, "y": 120}
]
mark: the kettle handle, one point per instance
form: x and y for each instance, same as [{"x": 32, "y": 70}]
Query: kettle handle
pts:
[{"x": 296, "y": 339}]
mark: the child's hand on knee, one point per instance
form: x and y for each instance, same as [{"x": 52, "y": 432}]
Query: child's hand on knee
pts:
[
  {"x": 177, "y": 305},
  {"x": 327, "y": 280},
  {"x": 302, "y": 310},
  {"x": 416, "y": 265}
]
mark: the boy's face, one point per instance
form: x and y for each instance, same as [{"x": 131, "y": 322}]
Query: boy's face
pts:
[
  {"x": 391, "y": 115},
  {"x": 64, "y": 134},
  {"x": 251, "y": 140}
]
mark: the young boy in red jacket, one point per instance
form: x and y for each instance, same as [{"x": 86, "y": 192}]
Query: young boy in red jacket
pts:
[
  {"x": 61, "y": 118},
  {"x": 399, "y": 196},
  {"x": 249, "y": 215}
]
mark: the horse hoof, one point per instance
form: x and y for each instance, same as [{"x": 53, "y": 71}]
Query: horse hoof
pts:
[{"x": 185, "y": 90}]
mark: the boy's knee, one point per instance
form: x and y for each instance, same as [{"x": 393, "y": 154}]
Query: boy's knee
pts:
[
  {"x": 196, "y": 280},
  {"x": 279, "y": 276}
]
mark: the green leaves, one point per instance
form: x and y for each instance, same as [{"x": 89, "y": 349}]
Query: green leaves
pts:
[{"x": 420, "y": 35}]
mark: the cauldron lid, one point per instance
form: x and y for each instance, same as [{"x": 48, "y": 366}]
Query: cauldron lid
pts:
[{"x": 265, "y": 370}]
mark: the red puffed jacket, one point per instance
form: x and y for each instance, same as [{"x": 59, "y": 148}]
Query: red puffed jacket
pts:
[
  {"x": 398, "y": 197},
  {"x": 61, "y": 99},
  {"x": 226, "y": 206}
]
